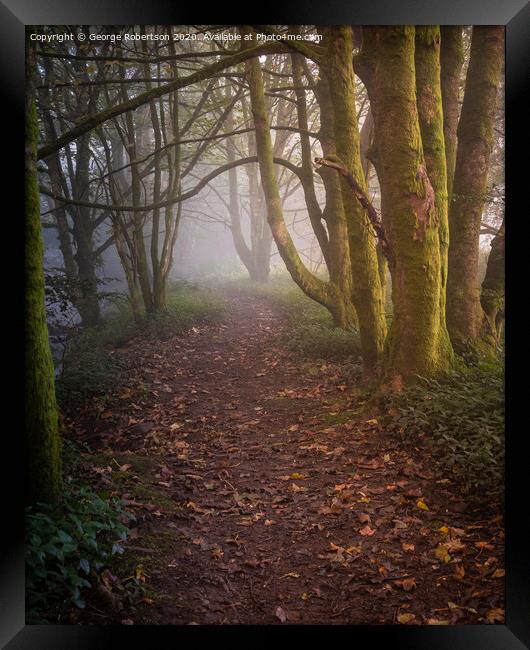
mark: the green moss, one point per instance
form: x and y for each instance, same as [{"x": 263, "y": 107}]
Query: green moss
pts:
[
  {"x": 43, "y": 446},
  {"x": 412, "y": 211},
  {"x": 365, "y": 280},
  {"x": 464, "y": 312},
  {"x": 451, "y": 61}
]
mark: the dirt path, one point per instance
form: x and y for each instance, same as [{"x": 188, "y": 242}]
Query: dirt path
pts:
[{"x": 262, "y": 498}]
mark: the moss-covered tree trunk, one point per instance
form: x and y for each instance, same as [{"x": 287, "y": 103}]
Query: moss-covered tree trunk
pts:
[
  {"x": 451, "y": 62},
  {"x": 429, "y": 100},
  {"x": 417, "y": 342},
  {"x": 326, "y": 293},
  {"x": 43, "y": 448},
  {"x": 336, "y": 250},
  {"x": 475, "y": 141},
  {"x": 365, "y": 280},
  {"x": 365, "y": 141},
  {"x": 314, "y": 287}
]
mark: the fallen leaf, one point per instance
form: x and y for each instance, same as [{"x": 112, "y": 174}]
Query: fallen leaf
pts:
[
  {"x": 193, "y": 506},
  {"x": 405, "y": 618},
  {"x": 436, "y": 621},
  {"x": 422, "y": 505},
  {"x": 292, "y": 574},
  {"x": 408, "y": 584},
  {"x": 296, "y": 488},
  {"x": 367, "y": 531},
  {"x": 455, "y": 545},
  {"x": 442, "y": 553},
  {"x": 281, "y": 614}
]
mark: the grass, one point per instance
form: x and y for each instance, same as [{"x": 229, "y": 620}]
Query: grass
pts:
[
  {"x": 310, "y": 331},
  {"x": 90, "y": 365}
]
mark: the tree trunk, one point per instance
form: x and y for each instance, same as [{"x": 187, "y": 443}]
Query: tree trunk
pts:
[
  {"x": 130, "y": 275},
  {"x": 365, "y": 141},
  {"x": 262, "y": 251},
  {"x": 429, "y": 101},
  {"x": 87, "y": 303},
  {"x": 260, "y": 232},
  {"x": 243, "y": 251},
  {"x": 451, "y": 61},
  {"x": 492, "y": 295},
  {"x": 317, "y": 289},
  {"x": 366, "y": 284},
  {"x": 43, "y": 446},
  {"x": 475, "y": 141},
  {"x": 417, "y": 342},
  {"x": 140, "y": 253},
  {"x": 337, "y": 252}
]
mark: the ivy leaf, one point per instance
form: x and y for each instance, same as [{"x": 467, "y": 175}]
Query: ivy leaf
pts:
[{"x": 85, "y": 565}]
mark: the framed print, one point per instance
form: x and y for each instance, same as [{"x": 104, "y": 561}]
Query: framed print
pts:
[{"x": 267, "y": 352}]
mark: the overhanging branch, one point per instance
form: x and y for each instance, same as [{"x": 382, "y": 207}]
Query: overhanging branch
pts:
[{"x": 359, "y": 194}]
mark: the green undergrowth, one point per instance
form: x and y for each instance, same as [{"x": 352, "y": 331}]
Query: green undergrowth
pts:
[
  {"x": 462, "y": 419},
  {"x": 71, "y": 545},
  {"x": 90, "y": 364},
  {"x": 309, "y": 331}
]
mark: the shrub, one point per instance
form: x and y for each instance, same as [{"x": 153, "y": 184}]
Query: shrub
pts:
[
  {"x": 321, "y": 340},
  {"x": 463, "y": 417},
  {"x": 66, "y": 546}
]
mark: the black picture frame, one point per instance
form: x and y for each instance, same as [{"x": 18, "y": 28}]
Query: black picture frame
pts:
[{"x": 515, "y": 15}]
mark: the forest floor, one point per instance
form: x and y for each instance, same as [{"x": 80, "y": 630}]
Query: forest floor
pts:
[{"x": 265, "y": 492}]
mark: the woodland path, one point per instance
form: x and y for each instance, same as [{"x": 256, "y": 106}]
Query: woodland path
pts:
[{"x": 263, "y": 498}]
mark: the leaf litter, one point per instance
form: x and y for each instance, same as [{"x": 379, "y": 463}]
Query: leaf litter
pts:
[{"x": 254, "y": 510}]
